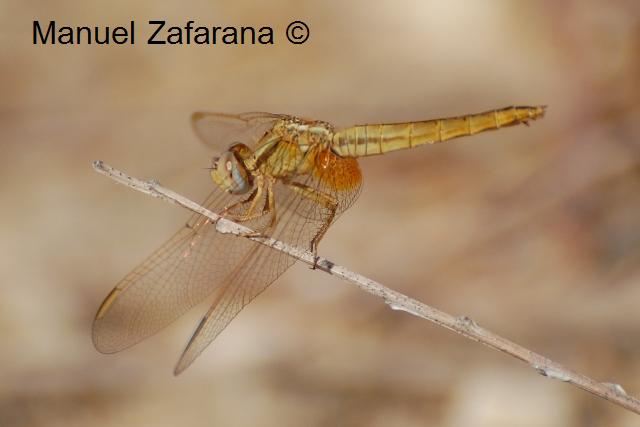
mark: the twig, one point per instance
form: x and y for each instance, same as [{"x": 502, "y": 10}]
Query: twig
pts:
[{"x": 397, "y": 301}]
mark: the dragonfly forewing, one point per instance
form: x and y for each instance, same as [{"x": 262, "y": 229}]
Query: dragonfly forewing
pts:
[{"x": 147, "y": 299}]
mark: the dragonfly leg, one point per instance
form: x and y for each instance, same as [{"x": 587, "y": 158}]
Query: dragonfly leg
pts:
[
  {"x": 226, "y": 213},
  {"x": 268, "y": 208},
  {"x": 250, "y": 213},
  {"x": 324, "y": 200}
]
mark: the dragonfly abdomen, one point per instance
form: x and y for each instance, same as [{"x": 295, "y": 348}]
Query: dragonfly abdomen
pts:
[{"x": 366, "y": 140}]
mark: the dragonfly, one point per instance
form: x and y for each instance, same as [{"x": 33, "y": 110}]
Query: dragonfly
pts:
[{"x": 282, "y": 176}]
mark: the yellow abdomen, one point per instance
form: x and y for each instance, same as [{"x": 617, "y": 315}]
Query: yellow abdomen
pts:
[{"x": 367, "y": 140}]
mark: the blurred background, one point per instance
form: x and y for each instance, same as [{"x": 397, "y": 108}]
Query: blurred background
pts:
[{"x": 533, "y": 232}]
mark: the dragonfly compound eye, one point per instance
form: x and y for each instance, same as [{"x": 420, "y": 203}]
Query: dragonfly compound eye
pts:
[{"x": 230, "y": 174}]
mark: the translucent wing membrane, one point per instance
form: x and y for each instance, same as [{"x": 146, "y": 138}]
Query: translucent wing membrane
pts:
[
  {"x": 184, "y": 271},
  {"x": 199, "y": 263},
  {"x": 219, "y": 130},
  {"x": 177, "y": 276}
]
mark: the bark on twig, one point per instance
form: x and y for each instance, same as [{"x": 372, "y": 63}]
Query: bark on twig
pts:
[{"x": 462, "y": 325}]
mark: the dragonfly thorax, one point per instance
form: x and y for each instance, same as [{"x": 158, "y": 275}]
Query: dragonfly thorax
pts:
[{"x": 230, "y": 173}]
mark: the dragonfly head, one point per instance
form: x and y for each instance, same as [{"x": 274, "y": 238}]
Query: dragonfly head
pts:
[{"x": 230, "y": 173}]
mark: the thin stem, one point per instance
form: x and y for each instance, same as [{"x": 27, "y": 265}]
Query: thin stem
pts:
[{"x": 397, "y": 301}]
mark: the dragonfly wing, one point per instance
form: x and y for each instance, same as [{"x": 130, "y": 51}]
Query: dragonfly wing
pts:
[
  {"x": 253, "y": 277},
  {"x": 180, "y": 274},
  {"x": 258, "y": 268},
  {"x": 220, "y": 130}
]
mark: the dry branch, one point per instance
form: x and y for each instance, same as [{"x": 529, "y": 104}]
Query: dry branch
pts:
[{"x": 397, "y": 301}]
